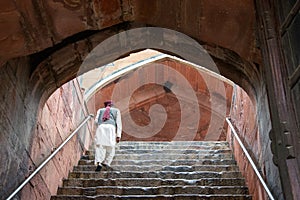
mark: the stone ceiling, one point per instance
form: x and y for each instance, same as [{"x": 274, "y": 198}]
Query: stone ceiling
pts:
[
  {"x": 29, "y": 27},
  {"x": 57, "y": 35}
]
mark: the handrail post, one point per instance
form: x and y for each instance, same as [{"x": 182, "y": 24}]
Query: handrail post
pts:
[
  {"x": 49, "y": 158},
  {"x": 250, "y": 159}
]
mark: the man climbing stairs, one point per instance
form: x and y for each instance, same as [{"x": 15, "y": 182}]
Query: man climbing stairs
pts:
[{"x": 159, "y": 170}]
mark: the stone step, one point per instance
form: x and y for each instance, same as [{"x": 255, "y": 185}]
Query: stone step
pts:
[
  {"x": 149, "y": 182},
  {"x": 184, "y": 143},
  {"x": 165, "y": 162},
  {"x": 154, "y": 174},
  {"x": 150, "y": 146},
  {"x": 161, "y": 156},
  {"x": 166, "y": 151},
  {"x": 156, "y": 190},
  {"x": 179, "y": 168},
  {"x": 159, "y": 170},
  {"x": 153, "y": 144},
  {"x": 156, "y": 197}
]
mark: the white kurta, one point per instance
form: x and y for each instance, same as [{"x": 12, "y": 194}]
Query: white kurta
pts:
[
  {"x": 105, "y": 139},
  {"x": 106, "y": 135}
]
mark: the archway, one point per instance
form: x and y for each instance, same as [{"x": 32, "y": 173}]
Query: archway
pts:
[
  {"x": 243, "y": 112},
  {"x": 227, "y": 29},
  {"x": 228, "y": 62}
]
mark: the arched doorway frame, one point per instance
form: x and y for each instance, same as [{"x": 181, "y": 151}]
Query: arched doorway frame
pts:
[{"x": 230, "y": 64}]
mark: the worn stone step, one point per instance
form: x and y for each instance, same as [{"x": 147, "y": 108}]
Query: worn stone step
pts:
[
  {"x": 179, "y": 168},
  {"x": 156, "y": 190},
  {"x": 175, "y": 143},
  {"x": 173, "y": 146},
  {"x": 160, "y": 156},
  {"x": 154, "y": 174},
  {"x": 156, "y": 197},
  {"x": 159, "y": 170},
  {"x": 166, "y": 162},
  {"x": 166, "y": 151},
  {"x": 149, "y": 182}
]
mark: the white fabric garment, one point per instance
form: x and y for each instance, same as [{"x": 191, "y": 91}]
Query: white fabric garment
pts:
[
  {"x": 104, "y": 154},
  {"x": 117, "y": 120},
  {"x": 106, "y": 135}
]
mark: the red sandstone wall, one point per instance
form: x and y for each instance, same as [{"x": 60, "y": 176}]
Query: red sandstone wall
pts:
[
  {"x": 244, "y": 118},
  {"x": 62, "y": 113},
  {"x": 149, "y": 94}
]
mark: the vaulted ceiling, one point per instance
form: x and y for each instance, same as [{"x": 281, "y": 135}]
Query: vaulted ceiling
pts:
[
  {"x": 58, "y": 34},
  {"x": 31, "y": 26}
]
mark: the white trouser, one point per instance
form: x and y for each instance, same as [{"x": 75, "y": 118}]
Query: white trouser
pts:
[{"x": 104, "y": 154}]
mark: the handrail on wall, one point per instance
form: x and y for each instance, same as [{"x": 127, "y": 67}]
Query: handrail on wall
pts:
[
  {"x": 250, "y": 159},
  {"x": 50, "y": 157}
]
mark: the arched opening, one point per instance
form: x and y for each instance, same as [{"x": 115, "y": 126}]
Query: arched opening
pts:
[
  {"x": 240, "y": 107},
  {"x": 149, "y": 93},
  {"x": 162, "y": 79},
  {"x": 43, "y": 44},
  {"x": 61, "y": 64},
  {"x": 55, "y": 70}
]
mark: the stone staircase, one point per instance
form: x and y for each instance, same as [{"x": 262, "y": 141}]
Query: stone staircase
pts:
[{"x": 159, "y": 170}]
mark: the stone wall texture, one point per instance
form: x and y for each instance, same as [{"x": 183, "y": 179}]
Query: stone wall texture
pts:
[
  {"x": 61, "y": 114},
  {"x": 17, "y": 117},
  {"x": 43, "y": 43},
  {"x": 28, "y": 27},
  {"x": 32, "y": 130},
  {"x": 250, "y": 122}
]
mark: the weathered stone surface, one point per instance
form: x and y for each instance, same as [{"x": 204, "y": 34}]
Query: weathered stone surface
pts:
[
  {"x": 148, "y": 182},
  {"x": 160, "y": 190},
  {"x": 155, "y": 162},
  {"x": 29, "y": 27},
  {"x": 244, "y": 118},
  {"x": 159, "y": 197},
  {"x": 30, "y": 136},
  {"x": 63, "y": 63},
  {"x": 226, "y": 28},
  {"x": 58, "y": 118},
  {"x": 17, "y": 117},
  {"x": 34, "y": 26},
  {"x": 168, "y": 178},
  {"x": 152, "y": 167}
]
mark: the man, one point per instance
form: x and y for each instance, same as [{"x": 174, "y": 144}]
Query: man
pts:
[{"x": 108, "y": 133}]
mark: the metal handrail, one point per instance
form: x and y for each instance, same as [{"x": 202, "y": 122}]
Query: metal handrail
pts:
[
  {"x": 250, "y": 159},
  {"x": 50, "y": 157}
]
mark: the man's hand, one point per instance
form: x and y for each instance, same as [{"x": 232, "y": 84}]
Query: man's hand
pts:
[{"x": 118, "y": 139}]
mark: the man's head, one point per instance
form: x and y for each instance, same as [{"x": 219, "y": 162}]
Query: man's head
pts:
[{"x": 108, "y": 103}]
